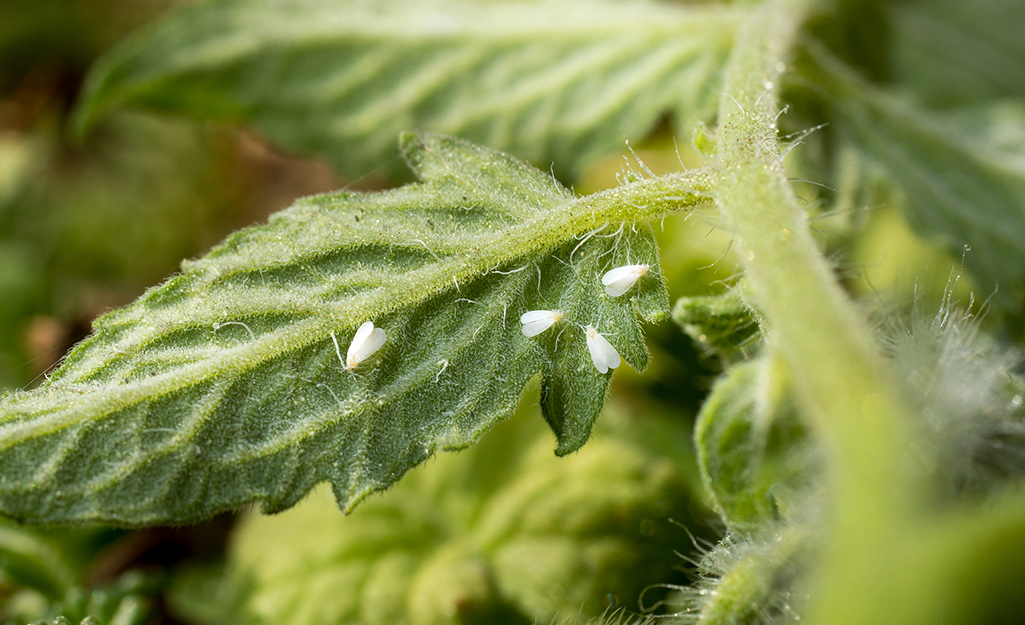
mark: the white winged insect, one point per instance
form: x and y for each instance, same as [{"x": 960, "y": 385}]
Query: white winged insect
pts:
[
  {"x": 537, "y": 321},
  {"x": 603, "y": 354},
  {"x": 619, "y": 280},
  {"x": 365, "y": 342}
]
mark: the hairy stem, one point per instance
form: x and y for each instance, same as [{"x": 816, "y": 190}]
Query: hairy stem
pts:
[{"x": 841, "y": 379}]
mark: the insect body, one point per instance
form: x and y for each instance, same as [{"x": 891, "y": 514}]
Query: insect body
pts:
[
  {"x": 603, "y": 354},
  {"x": 619, "y": 280},
  {"x": 537, "y": 321},
  {"x": 365, "y": 342}
]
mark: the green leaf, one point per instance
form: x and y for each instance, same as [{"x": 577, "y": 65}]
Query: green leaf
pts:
[
  {"x": 121, "y": 601},
  {"x": 503, "y": 533},
  {"x": 201, "y": 594},
  {"x": 226, "y": 384},
  {"x": 752, "y": 447},
  {"x": 953, "y": 53},
  {"x": 722, "y": 325},
  {"x": 963, "y": 173},
  {"x": 554, "y": 82}
]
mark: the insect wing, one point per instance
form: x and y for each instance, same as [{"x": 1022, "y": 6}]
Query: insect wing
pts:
[
  {"x": 365, "y": 342},
  {"x": 372, "y": 344},
  {"x": 537, "y": 321},
  {"x": 603, "y": 354},
  {"x": 619, "y": 280}
]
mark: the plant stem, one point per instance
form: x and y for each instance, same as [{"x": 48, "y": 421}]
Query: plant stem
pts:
[{"x": 841, "y": 379}]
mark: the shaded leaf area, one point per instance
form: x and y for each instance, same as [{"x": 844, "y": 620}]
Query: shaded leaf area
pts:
[
  {"x": 479, "y": 537},
  {"x": 963, "y": 173},
  {"x": 953, "y": 53},
  {"x": 550, "y": 82},
  {"x": 225, "y": 385},
  {"x": 753, "y": 451}
]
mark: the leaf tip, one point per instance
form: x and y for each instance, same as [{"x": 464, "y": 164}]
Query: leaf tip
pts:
[
  {"x": 413, "y": 145},
  {"x": 411, "y": 141},
  {"x": 84, "y": 115},
  {"x": 571, "y": 424},
  {"x": 657, "y": 316},
  {"x": 571, "y": 440},
  {"x": 99, "y": 94},
  {"x": 565, "y": 448}
]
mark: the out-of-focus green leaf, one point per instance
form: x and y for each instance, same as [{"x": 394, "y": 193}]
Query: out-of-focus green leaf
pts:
[
  {"x": 752, "y": 447},
  {"x": 201, "y": 594},
  {"x": 502, "y": 533},
  {"x": 21, "y": 275},
  {"x": 953, "y": 53},
  {"x": 84, "y": 229},
  {"x": 20, "y": 159},
  {"x": 719, "y": 324},
  {"x": 31, "y": 560},
  {"x": 21, "y": 281},
  {"x": 228, "y": 383},
  {"x": 120, "y": 602},
  {"x": 553, "y": 82},
  {"x": 963, "y": 173}
]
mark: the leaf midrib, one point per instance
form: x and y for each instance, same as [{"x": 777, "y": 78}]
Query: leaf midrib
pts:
[{"x": 638, "y": 201}]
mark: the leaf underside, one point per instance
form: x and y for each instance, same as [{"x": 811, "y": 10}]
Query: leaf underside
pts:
[
  {"x": 556, "y": 83},
  {"x": 223, "y": 386}
]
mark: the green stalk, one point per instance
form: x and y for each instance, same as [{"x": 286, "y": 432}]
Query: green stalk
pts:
[{"x": 841, "y": 379}]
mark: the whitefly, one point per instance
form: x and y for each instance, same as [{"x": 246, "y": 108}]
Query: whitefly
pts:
[
  {"x": 537, "y": 321},
  {"x": 603, "y": 354},
  {"x": 365, "y": 342},
  {"x": 621, "y": 279}
]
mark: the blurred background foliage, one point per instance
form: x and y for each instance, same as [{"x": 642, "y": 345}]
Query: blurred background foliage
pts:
[{"x": 86, "y": 225}]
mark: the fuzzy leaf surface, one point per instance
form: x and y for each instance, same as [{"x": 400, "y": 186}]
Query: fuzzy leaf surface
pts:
[
  {"x": 752, "y": 448},
  {"x": 224, "y": 386},
  {"x": 552, "y": 82},
  {"x": 721, "y": 325}
]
